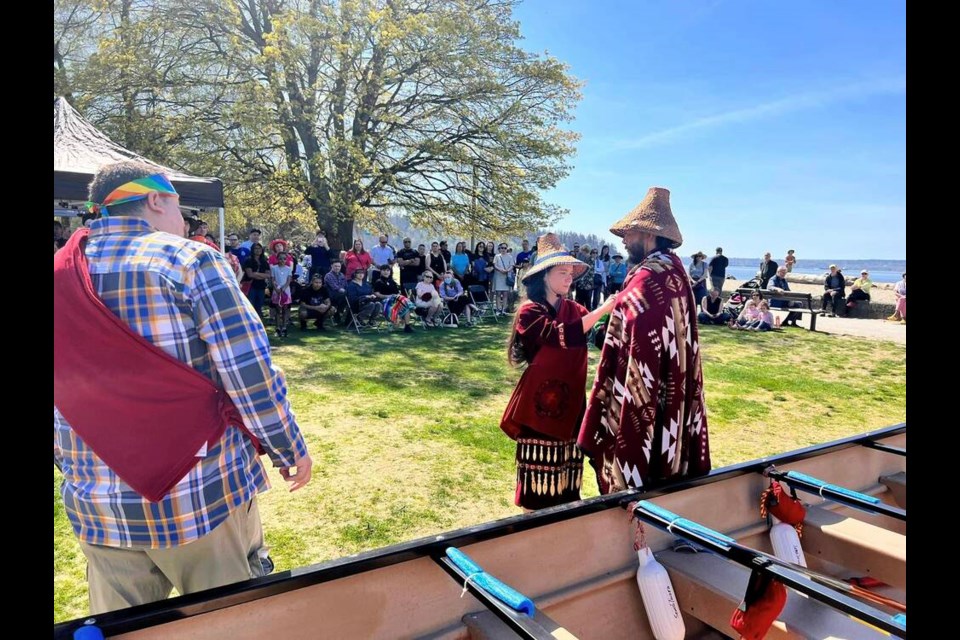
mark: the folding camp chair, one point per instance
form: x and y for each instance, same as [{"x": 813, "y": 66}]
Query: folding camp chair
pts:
[
  {"x": 376, "y": 320},
  {"x": 481, "y": 300}
]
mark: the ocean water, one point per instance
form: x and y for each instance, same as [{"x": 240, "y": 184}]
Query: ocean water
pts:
[{"x": 742, "y": 274}]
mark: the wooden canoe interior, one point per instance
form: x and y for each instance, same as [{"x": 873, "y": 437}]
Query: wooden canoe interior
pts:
[{"x": 580, "y": 572}]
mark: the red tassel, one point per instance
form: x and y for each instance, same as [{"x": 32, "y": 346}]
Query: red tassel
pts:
[
  {"x": 783, "y": 507},
  {"x": 762, "y": 603}
]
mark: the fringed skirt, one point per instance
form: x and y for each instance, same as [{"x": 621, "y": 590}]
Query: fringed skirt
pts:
[{"x": 549, "y": 472}]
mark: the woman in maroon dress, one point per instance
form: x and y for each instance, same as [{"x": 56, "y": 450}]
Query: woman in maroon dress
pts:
[{"x": 544, "y": 413}]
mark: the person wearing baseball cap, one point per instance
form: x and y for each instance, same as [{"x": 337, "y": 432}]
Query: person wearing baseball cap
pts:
[{"x": 859, "y": 291}]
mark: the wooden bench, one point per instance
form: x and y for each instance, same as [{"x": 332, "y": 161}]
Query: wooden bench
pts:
[{"x": 788, "y": 296}]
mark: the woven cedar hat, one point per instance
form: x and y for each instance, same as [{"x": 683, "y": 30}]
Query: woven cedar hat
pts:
[
  {"x": 653, "y": 215},
  {"x": 550, "y": 253}
]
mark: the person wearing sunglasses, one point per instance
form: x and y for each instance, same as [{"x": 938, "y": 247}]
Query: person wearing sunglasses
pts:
[{"x": 503, "y": 274}]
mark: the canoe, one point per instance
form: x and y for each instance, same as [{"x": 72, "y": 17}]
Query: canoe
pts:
[{"x": 577, "y": 564}]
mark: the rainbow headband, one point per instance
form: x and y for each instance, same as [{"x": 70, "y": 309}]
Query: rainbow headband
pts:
[{"x": 133, "y": 190}]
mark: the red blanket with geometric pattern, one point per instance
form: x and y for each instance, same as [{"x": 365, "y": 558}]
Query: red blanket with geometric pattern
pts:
[{"x": 646, "y": 418}]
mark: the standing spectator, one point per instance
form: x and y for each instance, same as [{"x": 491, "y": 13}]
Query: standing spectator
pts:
[
  {"x": 859, "y": 290},
  {"x": 383, "y": 254},
  {"x": 315, "y": 304},
  {"x": 435, "y": 260},
  {"x": 409, "y": 261},
  {"x": 445, "y": 252},
  {"x": 575, "y": 252},
  {"x": 616, "y": 274},
  {"x": 768, "y": 269},
  {"x": 253, "y": 237},
  {"x": 281, "y": 274},
  {"x": 605, "y": 253},
  {"x": 361, "y": 299},
  {"x": 460, "y": 262},
  {"x": 479, "y": 251},
  {"x": 320, "y": 255},
  {"x": 711, "y": 309},
  {"x": 584, "y": 284},
  {"x": 834, "y": 286},
  {"x": 428, "y": 298},
  {"x": 900, "y": 292},
  {"x": 234, "y": 247},
  {"x": 481, "y": 270},
  {"x": 503, "y": 279},
  {"x": 698, "y": 276},
  {"x": 357, "y": 259},
  {"x": 779, "y": 283},
  {"x": 523, "y": 257},
  {"x": 336, "y": 284},
  {"x": 422, "y": 253},
  {"x": 718, "y": 269},
  {"x": 790, "y": 261},
  {"x": 599, "y": 279},
  {"x": 257, "y": 270}
]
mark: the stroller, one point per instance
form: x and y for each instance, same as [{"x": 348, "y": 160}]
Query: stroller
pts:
[{"x": 734, "y": 305}]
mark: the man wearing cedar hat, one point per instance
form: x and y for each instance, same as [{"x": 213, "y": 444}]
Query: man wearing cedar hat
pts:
[
  {"x": 646, "y": 421},
  {"x": 164, "y": 395}
]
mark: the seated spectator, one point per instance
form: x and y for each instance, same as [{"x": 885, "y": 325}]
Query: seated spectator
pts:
[
  {"x": 397, "y": 308},
  {"x": 616, "y": 274},
  {"x": 833, "y": 292},
  {"x": 860, "y": 290},
  {"x": 764, "y": 321},
  {"x": 779, "y": 283},
  {"x": 428, "y": 298},
  {"x": 900, "y": 293},
  {"x": 361, "y": 299},
  {"x": 711, "y": 309},
  {"x": 749, "y": 314},
  {"x": 451, "y": 292},
  {"x": 336, "y": 284},
  {"x": 315, "y": 304}
]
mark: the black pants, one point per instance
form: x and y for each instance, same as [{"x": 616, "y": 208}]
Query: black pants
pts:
[
  {"x": 855, "y": 296},
  {"x": 835, "y": 300}
]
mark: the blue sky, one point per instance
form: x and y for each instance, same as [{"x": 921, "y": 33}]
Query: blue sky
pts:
[{"x": 775, "y": 125}]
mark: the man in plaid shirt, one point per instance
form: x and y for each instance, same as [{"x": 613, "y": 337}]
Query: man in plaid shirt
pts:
[{"x": 182, "y": 297}]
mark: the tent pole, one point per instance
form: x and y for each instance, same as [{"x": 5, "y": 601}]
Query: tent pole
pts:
[{"x": 222, "y": 232}]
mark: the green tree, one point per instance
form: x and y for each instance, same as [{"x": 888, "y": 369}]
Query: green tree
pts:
[{"x": 356, "y": 109}]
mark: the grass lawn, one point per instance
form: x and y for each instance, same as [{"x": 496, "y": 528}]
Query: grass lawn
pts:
[{"x": 404, "y": 432}]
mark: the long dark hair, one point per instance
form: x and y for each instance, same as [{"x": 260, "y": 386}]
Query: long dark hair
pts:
[
  {"x": 536, "y": 291},
  {"x": 262, "y": 258}
]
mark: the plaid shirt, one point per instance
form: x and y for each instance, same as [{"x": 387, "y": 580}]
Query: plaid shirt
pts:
[{"x": 183, "y": 297}]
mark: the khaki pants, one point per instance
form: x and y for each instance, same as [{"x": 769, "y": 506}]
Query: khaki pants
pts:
[{"x": 120, "y": 577}]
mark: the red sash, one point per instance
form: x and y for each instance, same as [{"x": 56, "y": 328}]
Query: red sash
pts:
[{"x": 142, "y": 411}]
